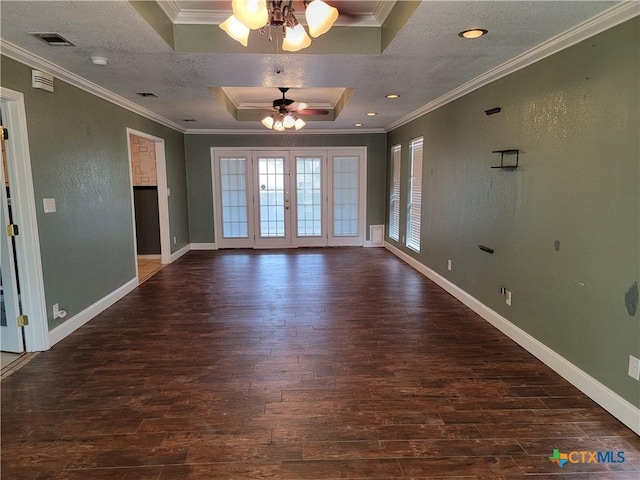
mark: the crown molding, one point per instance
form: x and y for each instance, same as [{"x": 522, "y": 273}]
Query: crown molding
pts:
[
  {"x": 23, "y": 56},
  {"x": 383, "y": 9},
  {"x": 200, "y": 17},
  {"x": 604, "y": 21},
  {"x": 196, "y": 16},
  {"x": 264, "y": 131},
  {"x": 170, "y": 9}
]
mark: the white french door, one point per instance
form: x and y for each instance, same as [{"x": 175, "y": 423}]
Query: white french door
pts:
[
  {"x": 310, "y": 199},
  {"x": 272, "y": 199},
  {"x": 283, "y": 199},
  {"x": 11, "y": 338}
]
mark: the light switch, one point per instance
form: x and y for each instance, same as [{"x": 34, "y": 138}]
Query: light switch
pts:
[
  {"x": 168, "y": 192},
  {"x": 49, "y": 205}
]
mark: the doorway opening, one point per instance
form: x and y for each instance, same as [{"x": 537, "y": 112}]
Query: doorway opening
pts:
[{"x": 150, "y": 208}]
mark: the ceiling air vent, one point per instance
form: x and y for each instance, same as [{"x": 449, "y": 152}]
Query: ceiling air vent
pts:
[{"x": 53, "y": 39}]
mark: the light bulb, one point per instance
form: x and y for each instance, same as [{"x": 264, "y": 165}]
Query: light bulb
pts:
[{"x": 253, "y": 13}]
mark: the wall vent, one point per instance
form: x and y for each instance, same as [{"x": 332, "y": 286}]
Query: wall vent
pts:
[
  {"x": 41, "y": 80},
  {"x": 376, "y": 234}
]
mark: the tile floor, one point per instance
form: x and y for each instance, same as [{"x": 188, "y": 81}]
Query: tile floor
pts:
[{"x": 148, "y": 267}]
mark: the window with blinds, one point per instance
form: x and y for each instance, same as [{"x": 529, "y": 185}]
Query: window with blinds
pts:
[
  {"x": 394, "y": 195},
  {"x": 414, "y": 207}
]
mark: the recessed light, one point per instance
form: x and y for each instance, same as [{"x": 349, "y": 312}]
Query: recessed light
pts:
[
  {"x": 473, "y": 33},
  {"x": 392, "y": 95},
  {"x": 146, "y": 94},
  {"x": 371, "y": 114},
  {"x": 99, "y": 60},
  {"x": 357, "y": 124}
]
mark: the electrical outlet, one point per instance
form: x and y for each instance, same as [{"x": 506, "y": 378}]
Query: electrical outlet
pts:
[
  {"x": 449, "y": 264},
  {"x": 634, "y": 367},
  {"x": 56, "y": 309},
  {"x": 175, "y": 240}
]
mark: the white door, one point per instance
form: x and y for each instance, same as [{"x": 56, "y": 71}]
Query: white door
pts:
[
  {"x": 234, "y": 199},
  {"x": 10, "y": 334},
  {"x": 347, "y": 183},
  {"x": 272, "y": 199},
  {"x": 309, "y": 207}
]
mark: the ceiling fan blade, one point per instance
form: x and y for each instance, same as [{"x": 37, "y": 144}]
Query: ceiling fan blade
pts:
[{"x": 312, "y": 111}]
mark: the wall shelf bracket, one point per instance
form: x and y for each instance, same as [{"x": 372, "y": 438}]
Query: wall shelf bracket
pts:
[{"x": 507, "y": 152}]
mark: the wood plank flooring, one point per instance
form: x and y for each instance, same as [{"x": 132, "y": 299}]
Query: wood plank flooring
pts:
[{"x": 309, "y": 364}]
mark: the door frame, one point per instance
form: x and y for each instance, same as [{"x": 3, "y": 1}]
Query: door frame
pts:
[
  {"x": 163, "y": 196},
  {"x": 328, "y": 152},
  {"x": 24, "y": 211}
]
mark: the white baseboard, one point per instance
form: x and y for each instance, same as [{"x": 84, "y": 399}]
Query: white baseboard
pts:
[
  {"x": 617, "y": 406},
  {"x": 75, "y": 322},
  {"x": 176, "y": 255},
  {"x": 204, "y": 246}
]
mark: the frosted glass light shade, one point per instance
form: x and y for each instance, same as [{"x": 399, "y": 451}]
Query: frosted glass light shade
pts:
[
  {"x": 299, "y": 123},
  {"x": 288, "y": 121},
  {"x": 268, "y": 122},
  {"x": 320, "y": 17},
  {"x": 253, "y": 13},
  {"x": 296, "y": 38},
  {"x": 278, "y": 126},
  {"x": 236, "y": 30}
]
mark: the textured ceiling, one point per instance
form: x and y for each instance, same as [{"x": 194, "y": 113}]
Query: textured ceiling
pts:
[{"x": 424, "y": 61}]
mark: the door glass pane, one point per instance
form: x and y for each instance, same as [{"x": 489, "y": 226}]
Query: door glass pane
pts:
[
  {"x": 3, "y": 313},
  {"x": 345, "y": 196},
  {"x": 234, "y": 197},
  {"x": 309, "y": 195},
  {"x": 272, "y": 197}
]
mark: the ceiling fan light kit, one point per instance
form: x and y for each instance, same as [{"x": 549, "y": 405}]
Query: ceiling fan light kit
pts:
[
  {"x": 285, "y": 115},
  {"x": 258, "y": 14}
]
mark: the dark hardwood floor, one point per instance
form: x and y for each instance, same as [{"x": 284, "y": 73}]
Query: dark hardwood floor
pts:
[{"x": 308, "y": 364}]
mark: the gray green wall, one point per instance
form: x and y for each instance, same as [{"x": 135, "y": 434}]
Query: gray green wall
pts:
[
  {"x": 574, "y": 116},
  {"x": 78, "y": 146},
  {"x": 199, "y": 179}
]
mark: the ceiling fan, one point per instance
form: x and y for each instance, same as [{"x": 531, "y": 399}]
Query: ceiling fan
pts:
[{"x": 286, "y": 111}]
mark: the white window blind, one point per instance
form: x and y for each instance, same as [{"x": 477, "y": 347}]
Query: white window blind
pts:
[
  {"x": 415, "y": 195},
  {"x": 394, "y": 194}
]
